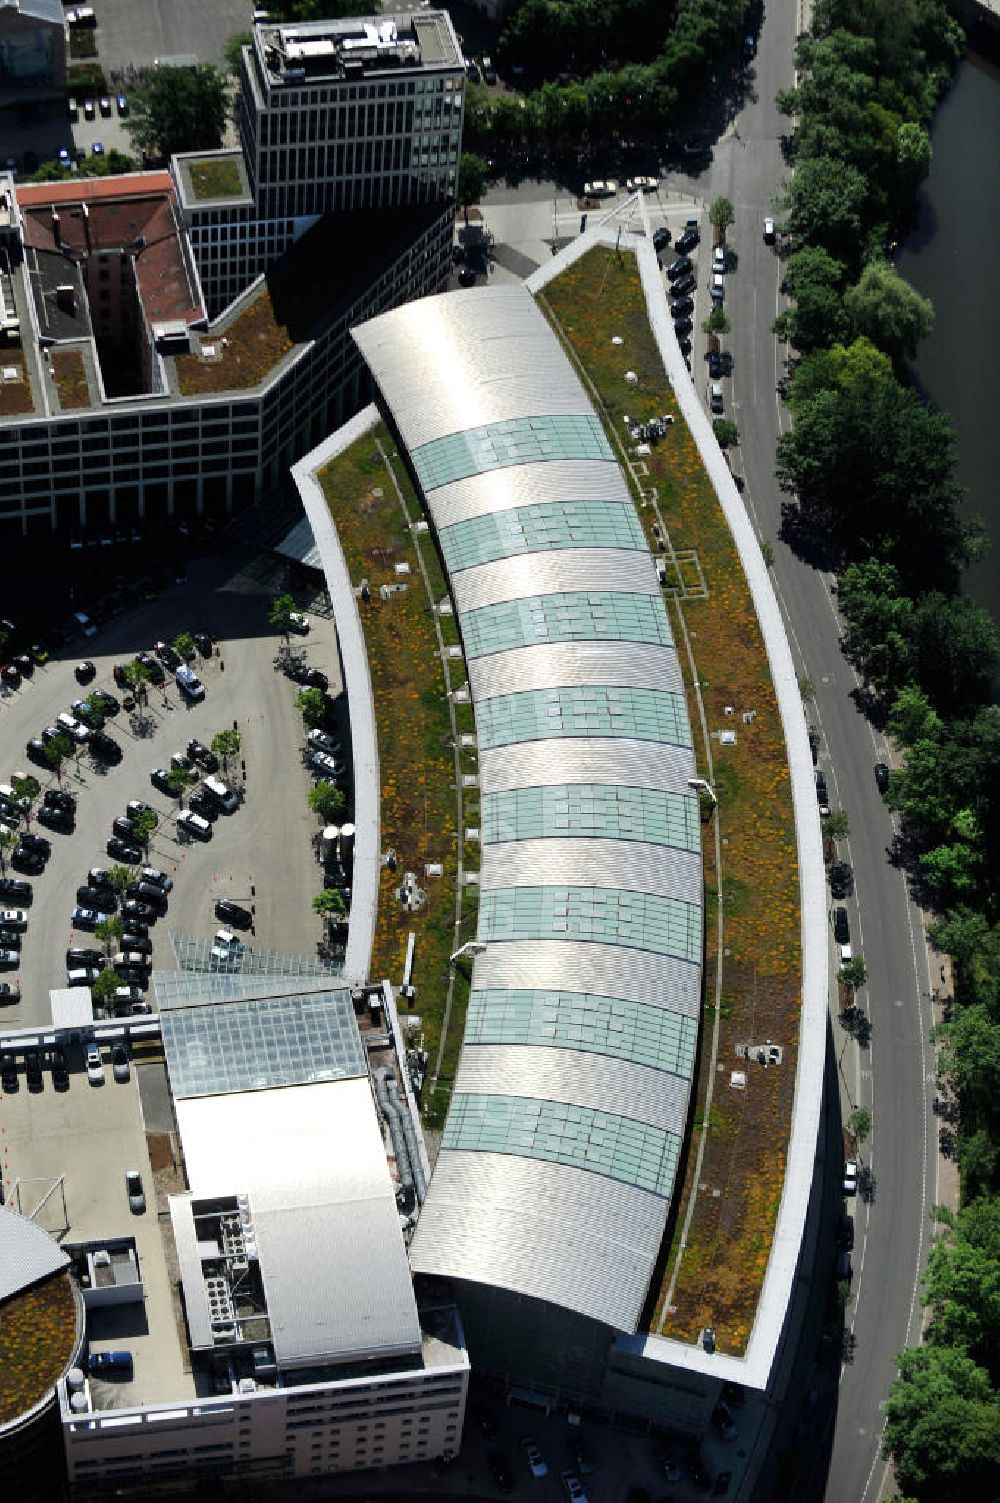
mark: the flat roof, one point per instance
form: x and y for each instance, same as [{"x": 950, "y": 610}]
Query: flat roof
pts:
[
  {"x": 387, "y": 43},
  {"x": 312, "y": 1162},
  {"x": 559, "y": 1155}
]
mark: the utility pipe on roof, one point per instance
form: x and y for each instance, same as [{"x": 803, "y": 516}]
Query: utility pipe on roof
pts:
[
  {"x": 392, "y": 1113},
  {"x": 409, "y": 1133}
]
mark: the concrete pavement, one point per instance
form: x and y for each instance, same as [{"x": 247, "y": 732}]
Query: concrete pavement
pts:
[{"x": 262, "y": 854}]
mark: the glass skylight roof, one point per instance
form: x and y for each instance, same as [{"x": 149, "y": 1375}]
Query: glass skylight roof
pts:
[
  {"x": 256, "y": 1044},
  {"x": 521, "y": 440},
  {"x": 576, "y": 616},
  {"x": 606, "y": 811},
  {"x": 633, "y": 1152},
  {"x": 194, "y": 953},
  {"x": 600, "y": 915},
  {"x": 583, "y": 710},
  {"x": 610, "y": 1026},
  {"x": 535, "y": 529}
]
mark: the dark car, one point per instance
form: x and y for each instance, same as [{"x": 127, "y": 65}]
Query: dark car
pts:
[
  {"x": 679, "y": 268},
  {"x": 27, "y": 861},
  {"x": 80, "y": 955},
  {"x": 301, "y": 673},
  {"x": 203, "y": 642},
  {"x": 60, "y": 1071},
  {"x": 881, "y": 777},
  {"x": 33, "y": 1070},
  {"x": 661, "y": 238},
  {"x": 37, "y": 843},
  {"x": 13, "y": 887},
  {"x": 84, "y": 672},
  {"x": 135, "y": 910},
  {"x": 199, "y": 752},
  {"x": 108, "y": 703},
  {"x": 123, "y": 850},
  {"x": 141, "y": 944},
  {"x": 10, "y": 675},
  {"x": 683, "y": 286},
  {"x": 35, "y": 752},
  {"x": 60, "y": 798},
  {"x": 152, "y": 667},
  {"x": 10, "y": 992},
  {"x": 166, "y": 654},
  {"x": 105, "y": 747},
  {"x": 56, "y": 819},
  {"x": 841, "y": 879},
  {"x": 202, "y": 804},
  {"x": 148, "y": 892},
  {"x": 683, "y": 327},
  {"x": 25, "y": 664},
  {"x": 101, "y": 898},
  {"x": 232, "y": 913},
  {"x": 135, "y": 927},
  {"x": 845, "y": 1233},
  {"x": 841, "y": 927},
  {"x": 125, "y": 829},
  {"x": 687, "y": 241},
  {"x": 714, "y": 364},
  {"x": 160, "y": 778},
  {"x": 683, "y": 308},
  {"x": 8, "y": 1070},
  {"x": 821, "y": 793}
]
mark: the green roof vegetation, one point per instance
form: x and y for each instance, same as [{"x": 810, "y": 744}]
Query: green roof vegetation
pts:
[
  {"x": 15, "y": 389},
  {"x": 410, "y": 682},
  {"x": 70, "y": 377},
  {"x": 255, "y": 344},
  {"x": 37, "y": 1341},
  {"x": 216, "y": 177},
  {"x": 715, "y": 1277}
]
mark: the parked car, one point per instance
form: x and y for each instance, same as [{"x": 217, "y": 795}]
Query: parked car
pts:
[
  {"x": 661, "y": 238},
  {"x": 108, "y": 703},
  {"x": 35, "y": 751},
  {"x": 99, "y": 876},
  {"x": 127, "y": 996},
  {"x": 768, "y": 230},
  {"x": 13, "y": 887},
  {"x": 687, "y": 241},
  {"x": 159, "y": 879},
  {"x": 301, "y": 673},
  {"x": 59, "y": 798},
  {"x": 111, "y": 1364},
  {"x": 10, "y": 993},
  {"x": 133, "y": 1185},
  {"x": 321, "y": 741},
  {"x": 841, "y": 927},
  {"x": 200, "y": 753},
  {"x": 203, "y": 642},
  {"x": 682, "y": 308},
  {"x": 139, "y": 943},
  {"x": 134, "y": 909},
  {"x": 26, "y": 860},
  {"x": 205, "y": 806},
  {"x": 124, "y": 850},
  {"x": 37, "y": 843},
  {"x": 323, "y": 766},
  {"x": 882, "y": 777},
  {"x": 233, "y": 913},
  {"x": 298, "y": 622},
  {"x": 56, "y": 819},
  {"x": 13, "y": 918},
  {"x": 58, "y": 1066},
  {"x": 679, "y": 268},
  {"x": 683, "y": 286},
  {"x": 84, "y": 672},
  {"x": 194, "y": 824},
  {"x": 33, "y": 1070},
  {"x": 167, "y": 656},
  {"x": 120, "y": 1068},
  {"x": 152, "y": 667},
  {"x": 105, "y": 747},
  {"x": 8, "y": 1070},
  {"x": 641, "y": 184},
  {"x": 573, "y": 1488},
  {"x": 600, "y": 188},
  {"x": 841, "y": 879},
  {"x": 92, "y": 1061},
  {"x": 87, "y": 714},
  {"x": 10, "y": 958},
  {"x": 850, "y": 1180},
  {"x": 125, "y": 829}
]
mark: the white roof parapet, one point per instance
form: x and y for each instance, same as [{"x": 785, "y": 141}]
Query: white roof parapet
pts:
[{"x": 754, "y": 1369}]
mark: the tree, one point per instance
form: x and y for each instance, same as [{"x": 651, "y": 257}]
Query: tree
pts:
[
  {"x": 472, "y": 172},
  {"x": 137, "y": 679},
  {"x": 312, "y": 703},
  {"x": 853, "y": 973},
  {"x": 177, "y": 782},
  {"x": 103, "y": 989},
  {"x": 962, "y": 1283},
  {"x": 912, "y": 717},
  {"x": 326, "y": 800},
  {"x": 109, "y": 164},
  {"x": 888, "y": 311},
  {"x": 913, "y": 158},
  {"x": 330, "y": 904},
  {"x": 853, "y": 367},
  {"x": 7, "y": 839},
  {"x": 813, "y": 279},
  {"x": 956, "y": 650},
  {"x": 836, "y": 824},
  {"x": 120, "y": 877},
  {"x": 25, "y": 789},
  {"x": 280, "y": 616},
  {"x": 233, "y": 51},
  {"x": 824, "y": 202},
  {"x": 145, "y": 823},
  {"x": 178, "y": 109},
  {"x": 721, "y": 214},
  {"x": 726, "y": 433},
  {"x": 859, "y": 1123},
  {"x": 185, "y": 646},
  {"x": 717, "y": 322},
  {"x": 226, "y": 744},
  {"x": 57, "y": 751},
  {"x": 109, "y": 931},
  {"x": 942, "y": 1426}
]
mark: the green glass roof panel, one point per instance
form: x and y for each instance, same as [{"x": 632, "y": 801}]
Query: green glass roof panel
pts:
[
  {"x": 611, "y": 1026},
  {"x": 594, "y": 915},
  {"x": 583, "y": 710},
  {"x": 604, "y": 811},
  {"x": 539, "y": 528},
  {"x": 575, "y": 616},
  {"x": 513, "y": 441},
  {"x": 631, "y": 1152}
]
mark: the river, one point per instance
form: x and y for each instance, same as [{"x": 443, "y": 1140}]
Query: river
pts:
[{"x": 951, "y": 257}]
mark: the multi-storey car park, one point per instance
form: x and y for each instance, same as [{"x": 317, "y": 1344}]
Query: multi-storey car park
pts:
[{"x": 175, "y": 340}]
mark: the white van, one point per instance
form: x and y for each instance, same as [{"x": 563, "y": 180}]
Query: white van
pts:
[
  {"x": 223, "y": 795},
  {"x": 189, "y": 682}
]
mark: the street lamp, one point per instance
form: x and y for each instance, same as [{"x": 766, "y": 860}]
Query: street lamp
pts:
[{"x": 471, "y": 947}]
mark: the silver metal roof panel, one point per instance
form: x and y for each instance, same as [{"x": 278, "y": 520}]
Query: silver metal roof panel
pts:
[
  {"x": 552, "y": 665},
  {"x": 28, "y": 1254},
  {"x": 524, "y": 484},
  {"x": 661, "y": 980},
  {"x": 646, "y": 764},
  {"x": 553, "y": 573},
  {"x": 634, "y": 865}
]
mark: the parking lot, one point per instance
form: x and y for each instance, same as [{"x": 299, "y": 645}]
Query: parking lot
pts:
[{"x": 261, "y": 856}]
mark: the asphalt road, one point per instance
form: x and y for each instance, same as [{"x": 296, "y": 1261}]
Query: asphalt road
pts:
[
  {"x": 894, "y": 1077},
  {"x": 261, "y": 855}
]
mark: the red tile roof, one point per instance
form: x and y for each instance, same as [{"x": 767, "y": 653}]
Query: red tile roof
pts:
[{"x": 88, "y": 189}]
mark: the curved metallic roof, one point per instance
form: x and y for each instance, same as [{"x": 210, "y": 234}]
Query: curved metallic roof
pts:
[{"x": 560, "y": 1151}]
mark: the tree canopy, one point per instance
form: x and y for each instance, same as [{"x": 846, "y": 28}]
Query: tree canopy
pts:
[
  {"x": 888, "y": 311},
  {"x": 178, "y": 109}
]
